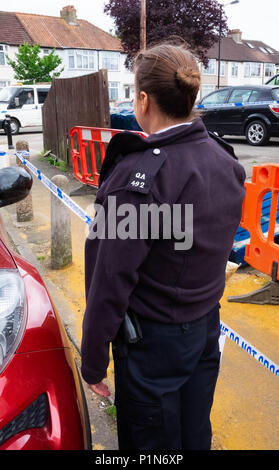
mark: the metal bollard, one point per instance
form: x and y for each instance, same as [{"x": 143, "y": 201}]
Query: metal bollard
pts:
[
  {"x": 7, "y": 127},
  {"x": 61, "y": 237},
  {"x": 24, "y": 208}
]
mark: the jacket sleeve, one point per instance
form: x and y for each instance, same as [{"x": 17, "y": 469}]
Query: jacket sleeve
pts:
[{"x": 111, "y": 273}]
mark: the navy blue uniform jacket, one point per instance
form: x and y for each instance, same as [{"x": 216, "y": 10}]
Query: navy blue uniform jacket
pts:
[{"x": 156, "y": 280}]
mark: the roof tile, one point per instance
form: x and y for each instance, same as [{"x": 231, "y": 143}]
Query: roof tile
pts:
[
  {"x": 50, "y": 32},
  {"x": 241, "y": 52},
  {"x": 12, "y": 31}
]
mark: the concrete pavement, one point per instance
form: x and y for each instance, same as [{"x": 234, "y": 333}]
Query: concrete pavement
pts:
[
  {"x": 245, "y": 410},
  {"x": 250, "y": 156}
]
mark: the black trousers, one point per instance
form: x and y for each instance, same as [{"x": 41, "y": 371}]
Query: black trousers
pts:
[{"x": 164, "y": 387}]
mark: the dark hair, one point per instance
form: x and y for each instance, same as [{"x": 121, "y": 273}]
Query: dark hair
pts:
[{"x": 171, "y": 75}]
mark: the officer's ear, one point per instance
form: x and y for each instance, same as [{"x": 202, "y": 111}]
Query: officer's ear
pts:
[{"x": 143, "y": 102}]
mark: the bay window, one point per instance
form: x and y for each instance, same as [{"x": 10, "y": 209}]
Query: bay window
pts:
[
  {"x": 269, "y": 70},
  {"x": 252, "y": 69},
  {"x": 81, "y": 59},
  {"x": 234, "y": 69},
  {"x": 110, "y": 60}
]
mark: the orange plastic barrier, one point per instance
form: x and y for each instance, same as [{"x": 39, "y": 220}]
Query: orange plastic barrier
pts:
[
  {"x": 262, "y": 251},
  {"x": 85, "y": 153}
]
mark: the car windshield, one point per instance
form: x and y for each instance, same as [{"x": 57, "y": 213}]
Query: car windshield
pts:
[
  {"x": 275, "y": 93},
  {"x": 6, "y": 94}
]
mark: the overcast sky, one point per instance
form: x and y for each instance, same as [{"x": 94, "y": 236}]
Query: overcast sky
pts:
[{"x": 257, "y": 19}]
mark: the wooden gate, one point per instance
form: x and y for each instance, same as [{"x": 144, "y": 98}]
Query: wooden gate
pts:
[{"x": 77, "y": 101}]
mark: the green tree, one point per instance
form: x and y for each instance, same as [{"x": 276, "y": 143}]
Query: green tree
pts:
[{"x": 29, "y": 67}]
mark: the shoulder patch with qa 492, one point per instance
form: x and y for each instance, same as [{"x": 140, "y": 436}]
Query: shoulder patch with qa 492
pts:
[{"x": 147, "y": 167}]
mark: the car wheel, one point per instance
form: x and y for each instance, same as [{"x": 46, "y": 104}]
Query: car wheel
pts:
[
  {"x": 15, "y": 126},
  {"x": 256, "y": 133}
]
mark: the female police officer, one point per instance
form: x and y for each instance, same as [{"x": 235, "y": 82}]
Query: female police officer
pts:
[{"x": 164, "y": 382}]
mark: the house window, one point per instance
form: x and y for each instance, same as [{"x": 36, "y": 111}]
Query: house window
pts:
[
  {"x": 246, "y": 70},
  {"x": 110, "y": 61},
  {"x": 113, "y": 91},
  {"x": 211, "y": 67},
  {"x": 234, "y": 69},
  {"x": 3, "y": 51},
  {"x": 72, "y": 61},
  {"x": 4, "y": 83},
  {"x": 255, "y": 69},
  {"x": 252, "y": 69},
  {"x": 222, "y": 68},
  {"x": 81, "y": 59},
  {"x": 127, "y": 92},
  {"x": 269, "y": 70}
]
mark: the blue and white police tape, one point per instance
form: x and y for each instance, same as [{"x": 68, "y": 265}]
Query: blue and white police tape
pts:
[
  {"x": 235, "y": 105},
  {"x": 54, "y": 189},
  {"x": 249, "y": 348},
  {"x": 225, "y": 330}
]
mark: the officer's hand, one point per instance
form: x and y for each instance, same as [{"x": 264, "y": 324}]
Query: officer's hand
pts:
[{"x": 100, "y": 389}]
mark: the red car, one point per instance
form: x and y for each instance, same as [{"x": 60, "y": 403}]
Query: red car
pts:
[{"x": 42, "y": 404}]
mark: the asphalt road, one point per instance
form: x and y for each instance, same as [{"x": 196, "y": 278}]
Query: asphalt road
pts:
[
  {"x": 33, "y": 135},
  {"x": 247, "y": 154}
]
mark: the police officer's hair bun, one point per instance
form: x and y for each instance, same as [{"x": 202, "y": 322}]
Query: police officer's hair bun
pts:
[
  {"x": 171, "y": 75},
  {"x": 187, "y": 78}
]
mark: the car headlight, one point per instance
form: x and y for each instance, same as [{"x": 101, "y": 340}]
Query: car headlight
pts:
[{"x": 12, "y": 313}]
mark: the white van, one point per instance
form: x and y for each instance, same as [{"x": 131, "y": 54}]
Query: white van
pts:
[{"x": 24, "y": 104}]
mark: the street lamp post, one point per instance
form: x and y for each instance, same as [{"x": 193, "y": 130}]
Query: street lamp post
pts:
[
  {"x": 219, "y": 44},
  {"x": 143, "y": 25}
]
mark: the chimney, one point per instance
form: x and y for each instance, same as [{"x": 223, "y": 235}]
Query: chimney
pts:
[
  {"x": 236, "y": 35},
  {"x": 69, "y": 14}
]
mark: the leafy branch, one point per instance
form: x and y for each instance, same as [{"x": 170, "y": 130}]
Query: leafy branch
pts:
[{"x": 29, "y": 67}]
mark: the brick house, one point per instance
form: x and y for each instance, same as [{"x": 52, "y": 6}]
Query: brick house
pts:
[
  {"x": 243, "y": 61},
  {"x": 83, "y": 47}
]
